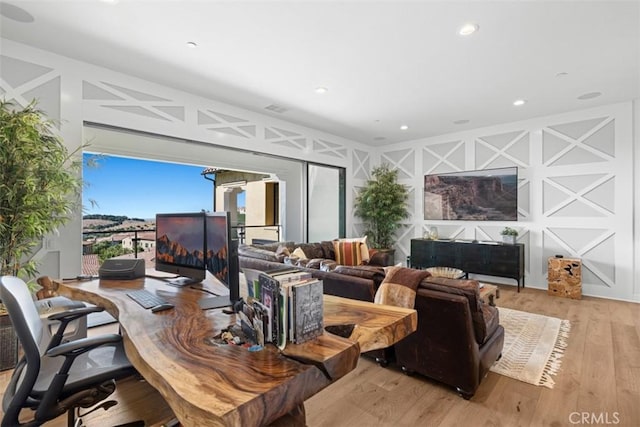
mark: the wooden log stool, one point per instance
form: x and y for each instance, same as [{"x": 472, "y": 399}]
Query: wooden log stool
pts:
[{"x": 565, "y": 277}]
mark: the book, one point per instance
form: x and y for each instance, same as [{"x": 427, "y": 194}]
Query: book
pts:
[
  {"x": 307, "y": 310},
  {"x": 277, "y": 302}
]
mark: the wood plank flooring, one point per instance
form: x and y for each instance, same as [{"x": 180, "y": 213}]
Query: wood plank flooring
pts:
[{"x": 598, "y": 385}]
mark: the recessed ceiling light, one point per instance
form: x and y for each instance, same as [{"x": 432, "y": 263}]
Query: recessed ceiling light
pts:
[
  {"x": 321, "y": 90},
  {"x": 590, "y": 95},
  {"x": 110, "y": 1},
  {"x": 519, "y": 102},
  {"x": 562, "y": 74},
  {"x": 192, "y": 45},
  {"x": 404, "y": 127},
  {"x": 461, "y": 122},
  {"x": 468, "y": 29},
  {"x": 379, "y": 138}
]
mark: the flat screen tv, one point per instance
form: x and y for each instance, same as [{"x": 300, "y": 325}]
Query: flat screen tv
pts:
[
  {"x": 181, "y": 246},
  {"x": 480, "y": 195}
]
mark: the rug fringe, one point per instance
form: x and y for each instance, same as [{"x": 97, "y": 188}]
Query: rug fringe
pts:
[{"x": 555, "y": 359}]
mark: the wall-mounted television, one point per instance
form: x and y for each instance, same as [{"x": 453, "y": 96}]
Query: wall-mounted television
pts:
[{"x": 480, "y": 195}]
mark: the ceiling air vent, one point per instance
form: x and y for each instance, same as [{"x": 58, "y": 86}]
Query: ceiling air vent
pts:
[{"x": 276, "y": 108}]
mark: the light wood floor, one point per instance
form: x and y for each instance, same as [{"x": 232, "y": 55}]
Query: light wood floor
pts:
[{"x": 599, "y": 383}]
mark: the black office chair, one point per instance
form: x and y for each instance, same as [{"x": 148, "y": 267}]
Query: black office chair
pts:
[{"x": 70, "y": 375}]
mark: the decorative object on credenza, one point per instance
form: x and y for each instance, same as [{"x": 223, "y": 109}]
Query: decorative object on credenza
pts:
[
  {"x": 564, "y": 276},
  {"x": 509, "y": 235},
  {"x": 41, "y": 186},
  {"x": 433, "y": 233},
  {"x": 448, "y": 272},
  {"x": 533, "y": 346},
  {"x": 381, "y": 204}
]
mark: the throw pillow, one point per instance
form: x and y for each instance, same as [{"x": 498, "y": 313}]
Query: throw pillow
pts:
[
  {"x": 348, "y": 253},
  {"x": 299, "y": 253},
  {"x": 364, "y": 249},
  {"x": 399, "y": 286}
]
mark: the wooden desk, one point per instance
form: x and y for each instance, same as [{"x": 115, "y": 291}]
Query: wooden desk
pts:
[{"x": 228, "y": 385}]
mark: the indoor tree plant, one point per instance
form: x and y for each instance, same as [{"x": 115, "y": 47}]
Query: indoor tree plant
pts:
[
  {"x": 382, "y": 204},
  {"x": 40, "y": 184}
]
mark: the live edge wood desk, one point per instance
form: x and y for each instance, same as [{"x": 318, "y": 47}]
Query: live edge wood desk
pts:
[{"x": 227, "y": 385}]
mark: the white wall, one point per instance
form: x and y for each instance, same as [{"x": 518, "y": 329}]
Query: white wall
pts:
[
  {"x": 77, "y": 92},
  {"x": 575, "y": 195},
  {"x": 583, "y": 202}
]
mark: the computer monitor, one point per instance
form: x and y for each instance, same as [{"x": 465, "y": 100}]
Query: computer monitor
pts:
[
  {"x": 181, "y": 246},
  {"x": 221, "y": 259}
]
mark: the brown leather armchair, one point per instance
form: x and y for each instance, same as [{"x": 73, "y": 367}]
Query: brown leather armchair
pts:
[{"x": 458, "y": 336}]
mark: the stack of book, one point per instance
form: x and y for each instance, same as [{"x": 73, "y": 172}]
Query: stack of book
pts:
[{"x": 293, "y": 304}]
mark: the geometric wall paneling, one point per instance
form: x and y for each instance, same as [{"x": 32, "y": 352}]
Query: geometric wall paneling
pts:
[
  {"x": 524, "y": 201},
  {"x": 360, "y": 164},
  {"x": 174, "y": 111},
  {"x": 411, "y": 202},
  {"x": 329, "y": 148},
  {"x": 93, "y": 92},
  {"x": 443, "y": 158},
  {"x": 588, "y": 141},
  {"x": 596, "y": 248},
  {"x": 134, "y": 94},
  {"x": 507, "y": 149},
  {"x": 575, "y": 130},
  {"x": 134, "y": 109},
  {"x": 23, "y": 82},
  {"x": 285, "y": 138},
  {"x": 445, "y": 231},
  {"x": 226, "y": 124},
  {"x": 48, "y": 96},
  {"x": 402, "y": 160},
  {"x": 16, "y": 72},
  {"x": 579, "y": 196},
  {"x": 402, "y": 245}
]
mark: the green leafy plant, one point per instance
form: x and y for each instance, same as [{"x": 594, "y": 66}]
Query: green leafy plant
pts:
[
  {"x": 40, "y": 185},
  {"x": 508, "y": 231},
  {"x": 382, "y": 204}
]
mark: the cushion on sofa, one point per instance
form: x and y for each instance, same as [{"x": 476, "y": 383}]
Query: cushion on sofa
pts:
[
  {"x": 366, "y": 272},
  {"x": 328, "y": 265},
  {"x": 348, "y": 253},
  {"x": 364, "y": 248},
  {"x": 399, "y": 286},
  {"x": 255, "y": 252},
  {"x": 273, "y": 247}
]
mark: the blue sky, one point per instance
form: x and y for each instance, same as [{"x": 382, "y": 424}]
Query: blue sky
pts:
[{"x": 142, "y": 188}]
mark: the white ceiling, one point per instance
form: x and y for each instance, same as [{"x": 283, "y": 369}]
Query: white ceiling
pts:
[{"x": 385, "y": 63}]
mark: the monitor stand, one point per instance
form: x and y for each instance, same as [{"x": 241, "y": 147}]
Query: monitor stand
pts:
[
  {"x": 181, "y": 282},
  {"x": 215, "y": 302}
]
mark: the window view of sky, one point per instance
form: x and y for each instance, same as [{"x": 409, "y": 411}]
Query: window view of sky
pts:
[{"x": 142, "y": 188}]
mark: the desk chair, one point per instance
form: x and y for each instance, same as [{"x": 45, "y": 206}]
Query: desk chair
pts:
[{"x": 69, "y": 376}]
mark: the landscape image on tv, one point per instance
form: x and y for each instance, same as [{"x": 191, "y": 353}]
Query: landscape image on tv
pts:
[{"x": 482, "y": 195}]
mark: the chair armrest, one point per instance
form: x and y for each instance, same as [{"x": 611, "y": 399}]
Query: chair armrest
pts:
[
  {"x": 83, "y": 345},
  {"x": 66, "y": 317},
  {"x": 74, "y": 313}
]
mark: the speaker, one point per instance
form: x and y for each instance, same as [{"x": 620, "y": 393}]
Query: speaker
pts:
[{"x": 122, "y": 269}]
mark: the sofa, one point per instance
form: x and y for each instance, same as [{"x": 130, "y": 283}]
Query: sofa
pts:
[{"x": 458, "y": 336}]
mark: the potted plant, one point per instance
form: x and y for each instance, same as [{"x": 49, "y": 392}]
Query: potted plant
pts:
[
  {"x": 382, "y": 204},
  {"x": 40, "y": 184},
  {"x": 509, "y": 235}
]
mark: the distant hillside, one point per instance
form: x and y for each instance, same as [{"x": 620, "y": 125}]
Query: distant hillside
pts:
[{"x": 99, "y": 222}]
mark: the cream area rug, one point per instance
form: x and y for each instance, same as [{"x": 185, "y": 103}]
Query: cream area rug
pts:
[{"x": 533, "y": 346}]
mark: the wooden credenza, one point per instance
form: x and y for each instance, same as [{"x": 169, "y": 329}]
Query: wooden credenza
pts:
[{"x": 487, "y": 258}]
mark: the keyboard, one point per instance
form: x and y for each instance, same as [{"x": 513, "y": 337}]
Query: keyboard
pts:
[{"x": 145, "y": 298}]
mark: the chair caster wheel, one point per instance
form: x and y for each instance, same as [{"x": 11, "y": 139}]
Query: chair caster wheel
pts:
[
  {"x": 464, "y": 394},
  {"x": 382, "y": 362},
  {"x": 407, "y": 372}
]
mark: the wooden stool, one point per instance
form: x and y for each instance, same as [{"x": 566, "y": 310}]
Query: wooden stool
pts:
[{"x": 565, "y": 277}]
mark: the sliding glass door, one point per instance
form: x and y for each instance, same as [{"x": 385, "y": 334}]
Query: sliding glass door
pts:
[{"x": 325, "y": 202}]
